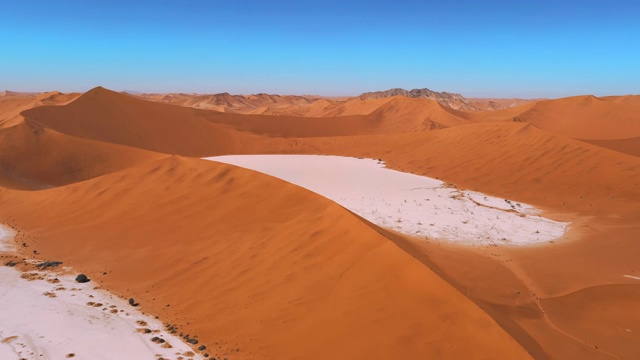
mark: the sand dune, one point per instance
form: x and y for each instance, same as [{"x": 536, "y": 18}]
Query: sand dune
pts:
[
  {"x": 414, "y": 205},
  {"x": 483, "y": 157},
  {"x": 258, "y": 266},
  {"x": 46, "y": 314},
  {"x": 424, "y": 114},
  {"x": 588, "y": 117},
  {"x": 483, "y": 104},
  {"x": 395, "y": 114},
  {"x": 332, "y": 108},
  {"x": 265, "y": 267},
  {"x": 510, "y": 114},
  {"x": 11, "y": 104},
  {"x": 584, "y": 313},
  {"x": 34, "y": 157},
  {"x": 107, "y": 116}
]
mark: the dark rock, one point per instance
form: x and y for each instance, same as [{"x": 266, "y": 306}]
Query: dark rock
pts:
[
  {"x": 454, "y": 101},
  {"x": 82, "y": 278},
  {"x": 157, "y": 340},
  {"x": 132, "y": 302},
  {"x": 48, "y": 264},
  {"x": 202, "y": 347},
  {"x": 11, "y": 263}
]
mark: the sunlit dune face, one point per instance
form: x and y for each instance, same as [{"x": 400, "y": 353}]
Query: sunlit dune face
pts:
[{"x": 411, "y": 204}]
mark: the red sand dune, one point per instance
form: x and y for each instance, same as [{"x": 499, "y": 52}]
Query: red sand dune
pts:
[
  {"x": 104, "y": 115},
  {"x": 513, "y": 160},
  {"x": 276, "y": 271},
  {"x": 588, "y": 117},
  {"x": 257, "y": 265},
  {"x": 34, "y": 157},
  {"x": 484, "y": 104},
  {"x": 12, "y": 104},
  {"x": 332, "y": 108}
]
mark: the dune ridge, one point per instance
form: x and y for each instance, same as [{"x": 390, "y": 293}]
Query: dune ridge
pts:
[
  {"x": 272, "y": 236},
  {"x": 588, "y": 117},
  {"x": 482, "y": 157},
  {"x": 12, "y": 104},
  {"x": 271, "y": 264},
  {"x": 34, "y": 157}
]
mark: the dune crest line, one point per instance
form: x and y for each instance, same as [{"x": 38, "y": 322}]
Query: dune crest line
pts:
[{"x": 408, "y": 203}]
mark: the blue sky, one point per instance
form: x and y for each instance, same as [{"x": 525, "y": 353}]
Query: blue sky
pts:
[{"x": 476, "y": 48}]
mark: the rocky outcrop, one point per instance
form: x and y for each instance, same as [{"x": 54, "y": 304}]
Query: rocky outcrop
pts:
[{"x": 454, "y": 101}]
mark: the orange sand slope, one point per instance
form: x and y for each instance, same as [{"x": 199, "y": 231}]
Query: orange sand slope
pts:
[
  {"x": 576, "y": 117},
  {"x": 276, "y": 271},
  {"x": 107, "y": 116},
  {"x": 513, "y": 160},
  {"x": 629, "y": 146},
  {"x": 12, "y": 103},
  {"x": 259, "y": 266},
  {"x": 588, "y": 117},
  {"x": 34, "y": 157}
]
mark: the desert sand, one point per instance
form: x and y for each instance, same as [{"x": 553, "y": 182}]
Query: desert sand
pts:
[
  {"x": 12, "y": 103},
  {"x": 410, "y": 204},
  {"x": 259, "y": 268},
  {"x": 48, "y": 315}
]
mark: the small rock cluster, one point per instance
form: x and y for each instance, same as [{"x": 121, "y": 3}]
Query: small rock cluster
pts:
[{"x": 48, "y": 264}]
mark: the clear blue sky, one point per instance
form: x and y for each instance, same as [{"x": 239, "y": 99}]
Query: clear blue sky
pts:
[{"x": 477, "y": 48}]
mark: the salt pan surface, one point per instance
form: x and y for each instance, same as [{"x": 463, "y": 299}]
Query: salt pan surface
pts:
[
  {"x": 44, "y": 315},
  {"x": 408, "y": 203}
]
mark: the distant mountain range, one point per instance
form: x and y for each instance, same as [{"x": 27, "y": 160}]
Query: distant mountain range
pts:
[
  {"x": 305, "y": 105},
  {"x": 452, "y": 100}
]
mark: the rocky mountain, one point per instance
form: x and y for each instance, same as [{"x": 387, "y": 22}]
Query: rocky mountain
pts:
[
  {"x": 454, "y": 101},
  {"x": 256, "y": 103}
]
